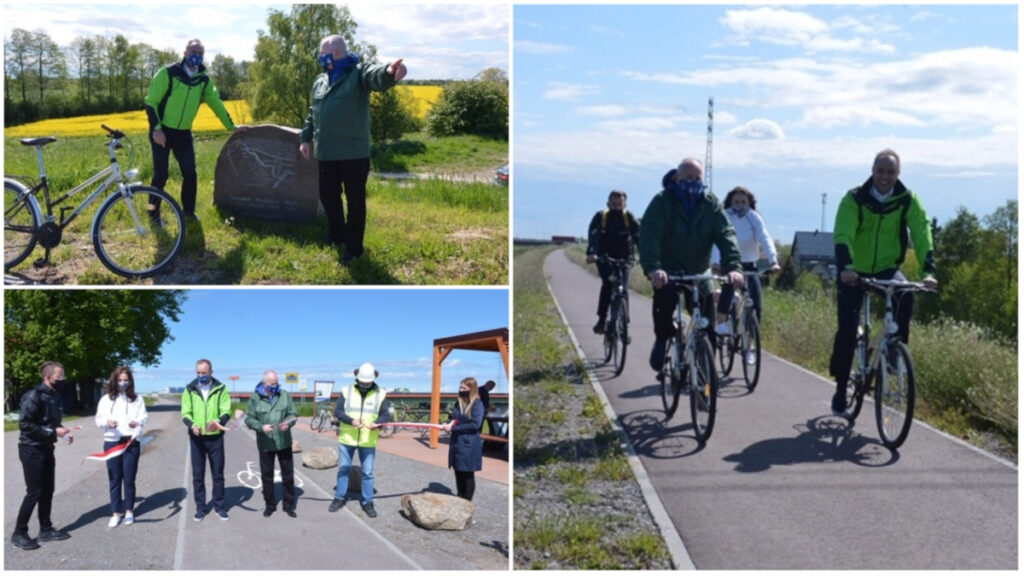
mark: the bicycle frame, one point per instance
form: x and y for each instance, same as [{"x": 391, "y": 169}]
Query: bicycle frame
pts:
[
  {"x": 881, "y": 344},
  {"x": 697, "y": 321}
]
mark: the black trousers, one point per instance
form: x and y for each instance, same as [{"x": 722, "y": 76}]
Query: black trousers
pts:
[
  {"x": 346, "y": 177},
  {"x": 664, "y": 306},
  {"x": 287, "y": 477},
  {"x": 40, "y": 468},
  {"x": 848, "y": 307},
  {"x": 205, "y": 448},
  {"x": 180, "y": 143},
  {"x": 465, "y": 484}
]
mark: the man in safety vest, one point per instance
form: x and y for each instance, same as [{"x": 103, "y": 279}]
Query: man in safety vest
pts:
[{"x": 361, "y": 409}]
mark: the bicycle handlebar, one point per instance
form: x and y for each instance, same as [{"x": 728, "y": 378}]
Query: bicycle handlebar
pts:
[
  {"x": 896, "y": 284},
  {"x": 115, "y": 134},
  {"x": 687, "y": 279},
  {"x": 615, "y": 261}
]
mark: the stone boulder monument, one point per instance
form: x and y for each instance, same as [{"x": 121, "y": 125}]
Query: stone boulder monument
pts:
[{"x": 261, "y": 173}]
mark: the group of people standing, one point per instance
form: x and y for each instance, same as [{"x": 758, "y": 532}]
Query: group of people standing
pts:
[
  {"x": 336, "y": 131},
  {"x": 685, "y": 224},
  {"x": 361, "y": 410}
]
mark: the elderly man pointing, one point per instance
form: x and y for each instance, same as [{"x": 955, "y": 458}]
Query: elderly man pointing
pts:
[{"x": 338, "y": 126}]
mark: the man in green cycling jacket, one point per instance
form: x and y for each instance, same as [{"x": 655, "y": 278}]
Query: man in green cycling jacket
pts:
[
  {"x": 171, "y": 104},
  {"x": 871, "y": 238}
]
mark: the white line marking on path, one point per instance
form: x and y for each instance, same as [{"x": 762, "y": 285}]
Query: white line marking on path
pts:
[
  {"x": 680, "y": 555},
  {"x": 179, "y": 549}
]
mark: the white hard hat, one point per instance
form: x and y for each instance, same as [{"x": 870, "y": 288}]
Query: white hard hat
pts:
[{"x": 366, "y": 373}]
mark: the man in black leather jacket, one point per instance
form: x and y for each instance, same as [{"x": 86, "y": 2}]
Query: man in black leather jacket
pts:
[{"x": 41, "y": 413}]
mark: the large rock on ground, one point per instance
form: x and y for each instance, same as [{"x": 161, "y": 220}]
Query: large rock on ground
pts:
[
  {"x": 261, "y": 173},
  {"x": 438, "y": 511},
  {"x": 320, "y": 457}
]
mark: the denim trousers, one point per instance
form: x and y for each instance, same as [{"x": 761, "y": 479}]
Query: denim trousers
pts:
[{"x": 345, "y": 455}]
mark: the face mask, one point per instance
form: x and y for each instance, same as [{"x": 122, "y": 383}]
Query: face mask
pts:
[
  {"x": 740, "y": 211},
  {"x": 463, "y": 393},
  {"x": 204, "y": 380},
  {"x": 123, "y": 385},
  {"x": 691, "y": 187},
  {"x": 325, "y": 61},
  {"x": 271, "y": 390},
  {"x": 58, "y": 385},
  {"x": 194, "y": 60}
]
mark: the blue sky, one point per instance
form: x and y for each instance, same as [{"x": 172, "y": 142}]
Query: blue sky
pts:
[
  {"x": 615, "y": 96},
  {"x": 325, "y": 334},
  {"x": 437, "y": 41}
]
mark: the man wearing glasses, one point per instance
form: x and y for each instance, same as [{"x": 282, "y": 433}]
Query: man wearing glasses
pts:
[{"x": 171, "y": 105}]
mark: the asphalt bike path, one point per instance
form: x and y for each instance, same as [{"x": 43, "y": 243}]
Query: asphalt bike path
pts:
[
  {"x": 781, "y": 483},
  {"x": 165, "y": 536}
]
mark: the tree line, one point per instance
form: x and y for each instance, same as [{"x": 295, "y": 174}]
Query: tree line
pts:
[{"x": 98, "y": 75}]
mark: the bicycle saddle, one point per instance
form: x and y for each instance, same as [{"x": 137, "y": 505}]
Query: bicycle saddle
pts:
[{"x": 37, "y": 141}]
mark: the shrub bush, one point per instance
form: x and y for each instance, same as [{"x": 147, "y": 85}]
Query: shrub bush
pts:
[{"x": 471, "y": 107}]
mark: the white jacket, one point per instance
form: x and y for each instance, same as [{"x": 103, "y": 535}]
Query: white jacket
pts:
[
  {"x": 123, "y": 411},
  {"x": 752, "y": 236}
]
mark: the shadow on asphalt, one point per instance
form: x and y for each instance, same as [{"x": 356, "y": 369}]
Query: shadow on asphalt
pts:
[
  {"x": 821, "y": 439},
  {"x": 501, "y": 547},
  {"x": 655, "y": 437},
  {"x": 147, "y": 509}
]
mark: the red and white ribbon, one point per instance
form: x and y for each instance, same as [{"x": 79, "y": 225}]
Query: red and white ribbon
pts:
[
  {"x": 417, "y": 424},
  {"x": 114, "y": 452}
]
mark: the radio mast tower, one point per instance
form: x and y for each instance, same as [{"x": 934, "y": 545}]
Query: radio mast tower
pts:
[
  {"x": 707, "y": 159},
  {"x": 824, "y": 197}
]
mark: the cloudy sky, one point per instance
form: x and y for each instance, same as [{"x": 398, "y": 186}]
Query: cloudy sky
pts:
[
  {"x": 614, "y": 96},
  {"x": 437, "y": 41}
]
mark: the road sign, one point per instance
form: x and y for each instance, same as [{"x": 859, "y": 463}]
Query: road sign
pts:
[{"x": 291, "y": 377}]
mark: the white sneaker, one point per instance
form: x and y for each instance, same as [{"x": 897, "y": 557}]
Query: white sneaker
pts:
[
  {"x": 114, "y": 521},
  {"x": 129, "y": 518},
  {"x": 751, "y": 359},
  {"x": 723, "y": 329}
]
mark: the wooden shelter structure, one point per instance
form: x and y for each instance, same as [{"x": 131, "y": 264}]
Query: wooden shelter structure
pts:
[{"x": 488, "y": 341}]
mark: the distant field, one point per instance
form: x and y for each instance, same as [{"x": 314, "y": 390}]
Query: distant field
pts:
[{"x": 206, "y": 121}]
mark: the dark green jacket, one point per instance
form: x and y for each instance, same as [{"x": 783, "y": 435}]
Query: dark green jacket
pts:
[
  {"x": 672, "y": 241},
  {"x": 261, "y": 410},
  {"x": 196, "y": 411},
  {"x": 174, "y": 98},
  {"x": 338, "y": 123},
  {"x": 872, "y": 237}
]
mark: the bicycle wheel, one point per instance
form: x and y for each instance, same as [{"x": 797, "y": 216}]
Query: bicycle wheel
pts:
[
  {"x": 726, "y": 352},
  {"x": 387, "y": 431},
  {"x": 21, "y": 223},
  {"x": 703, "y": 391},
  {"x": 316, "y": 423},
  {"x": 619, "y": 328},
  {"x": 128, "y": 241},
  {"x": 894, "y": 396},
  {"x": 858, "y": 383},
  {"x": 751, "y": 354},
  {"x": 671, "y": 379}
]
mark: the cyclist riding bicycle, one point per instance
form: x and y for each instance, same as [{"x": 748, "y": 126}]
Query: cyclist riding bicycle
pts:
[
  {"x": 752, "y": 235},
  {"x": 613, "y": 233},
  {"x": 681, "y": 224},
  {"x": 872, "y": 227}
]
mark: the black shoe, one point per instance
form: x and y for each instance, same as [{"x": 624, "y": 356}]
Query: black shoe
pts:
[
  {"x": 24, "y": 542},
  {"x": 291, "y": 513},
  {"x": 839, "y": 403},
  {"x": 336, "y": 504},
  {"x": 332, "y": 242},
  {"x": 368, "y": 508},
  {"x": 268, "y": 511},
  {"x": 52, "y": 535},
  {"x": 154, "y": 219},
  {"x": 657, "y": 355},
  {"x": 599, "y": 327}
]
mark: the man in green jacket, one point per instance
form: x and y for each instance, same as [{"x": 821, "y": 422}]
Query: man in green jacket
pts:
[
  {"x": 205, "y": 409},
  {"x": 871, "y": 238},
  {"x": 338, "y": 126},
  {"x": 680, "y": 225},
  {"x": 271, "y": 413},
  {"x": 172, "y": 103}
]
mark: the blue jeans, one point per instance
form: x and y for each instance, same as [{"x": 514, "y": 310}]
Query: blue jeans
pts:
[
  {"x": 121, "y": 471},
  {"x": 345, "y": 454}
]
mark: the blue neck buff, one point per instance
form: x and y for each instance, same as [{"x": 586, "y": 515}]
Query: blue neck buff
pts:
[
  {"x": 195, "y": 61},
  {"x": 688, "y": 192},
  {"x": 340, "y": 66}
]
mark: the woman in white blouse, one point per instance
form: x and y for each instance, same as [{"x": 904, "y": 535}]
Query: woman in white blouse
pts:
[
  {"x": 753, "y": 238},
  {"x": 121, "y": 414}
]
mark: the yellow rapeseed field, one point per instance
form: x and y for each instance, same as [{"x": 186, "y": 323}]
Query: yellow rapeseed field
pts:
[{"x": 206, "y": 121}]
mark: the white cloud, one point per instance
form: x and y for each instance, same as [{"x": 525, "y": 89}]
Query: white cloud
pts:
[
  {"x": 606, "y": 31},
  {"x": 799, "y": 29},
  {"x": 758, "y": 129},
  {"x": 603, "y": 110},
  {"x": 568, "y": 92},
  {"x": 541, "y": 48}
]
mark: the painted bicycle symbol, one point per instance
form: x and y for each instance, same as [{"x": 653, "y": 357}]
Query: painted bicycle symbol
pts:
[{"x": 250, "y": 477}]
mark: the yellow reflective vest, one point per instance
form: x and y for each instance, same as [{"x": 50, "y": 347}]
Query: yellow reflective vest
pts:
[{"x": 362, "y": 408}]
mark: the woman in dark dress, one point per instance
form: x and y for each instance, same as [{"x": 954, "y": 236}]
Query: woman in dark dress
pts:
[{"x": 465, "y": 448}]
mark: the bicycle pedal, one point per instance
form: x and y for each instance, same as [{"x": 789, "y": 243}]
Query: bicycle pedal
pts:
[{"x": 40, "y": 262}]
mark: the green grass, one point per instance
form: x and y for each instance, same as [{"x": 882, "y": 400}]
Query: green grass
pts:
[
  {"x": 558, "y": 462},
  {"x": 418, "y": 232},
  {"x": 418, "y": 152},
  {"x": 966, "y": 378}
]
